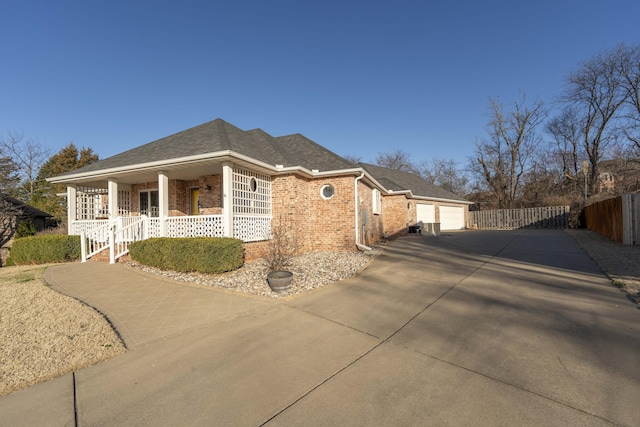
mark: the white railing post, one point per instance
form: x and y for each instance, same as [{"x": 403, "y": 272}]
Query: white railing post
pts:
[
  {"x": 145, "y": 227},
  {"x": 112, "y": 245},
  {"x": 83, "y": 245}
]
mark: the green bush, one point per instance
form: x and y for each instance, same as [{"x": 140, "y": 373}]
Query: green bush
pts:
[
  {"x": 26, "y": 229},
  {"x": 201, "y": 254},
  {"x": 45, "y": 249}
]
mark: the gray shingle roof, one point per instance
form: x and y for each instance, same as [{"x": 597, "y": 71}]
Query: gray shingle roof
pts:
[
  {"x": 308, "y": 154},
  {"x": 402, "y": 181},
  {"x": 218, "y": 135},
  {"x": 289, "y": 151},
  {"x": 26, "y": 211}
]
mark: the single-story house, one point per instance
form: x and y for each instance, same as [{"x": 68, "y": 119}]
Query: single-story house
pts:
[
  {"x": 218, "y": 180},
  {"x": 25, "y": 213},
  {"x": 12, "y": 213}
]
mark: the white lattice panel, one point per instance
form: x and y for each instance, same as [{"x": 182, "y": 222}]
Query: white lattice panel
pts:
[
  {"x": 195, "y": 226},
  {"x": 89, "y": 200},
  {"x": 124, "y": 202},
  {"x": 251, "y": 228},
  {"x": 153, "y": 227},
  {"x": 251, "y": 193}
]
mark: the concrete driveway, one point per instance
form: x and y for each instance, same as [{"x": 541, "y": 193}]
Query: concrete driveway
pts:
[{"x": 471, "y": 328}]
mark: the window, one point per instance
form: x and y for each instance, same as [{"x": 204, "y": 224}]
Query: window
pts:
[
  {"x": 149, "y": 203},
  {"x": 376, "y": 202},
  {"x": 327, "y": 191}
]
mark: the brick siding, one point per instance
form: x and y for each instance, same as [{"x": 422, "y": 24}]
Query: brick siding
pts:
[
  {"x": 397, "y": 214},
  {"x": 319, "y": 224}
]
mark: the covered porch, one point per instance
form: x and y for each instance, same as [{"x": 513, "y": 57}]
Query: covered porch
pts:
[{"x": 195, "y": 200}]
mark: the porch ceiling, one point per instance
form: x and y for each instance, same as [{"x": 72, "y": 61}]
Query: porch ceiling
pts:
[{"x": 186, "y": 172}]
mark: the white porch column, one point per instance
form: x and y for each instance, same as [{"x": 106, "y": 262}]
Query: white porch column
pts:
[
  {"x": 227, "y": 198},
  {"x": 72, "y": 208},
  {"x": 163, "y": 201},
  {"x": 113, "y": 198}
]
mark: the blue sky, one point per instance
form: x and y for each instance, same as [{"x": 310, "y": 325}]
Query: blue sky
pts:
[{"x": 358, "y": 77}]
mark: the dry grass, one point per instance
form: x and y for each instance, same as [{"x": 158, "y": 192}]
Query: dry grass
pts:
[
  {"x": 619, "y": 262},
  {"x": 45, "y": 334}
]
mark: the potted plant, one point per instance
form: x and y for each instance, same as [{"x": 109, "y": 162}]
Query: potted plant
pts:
[
  {"x": 281, "y": 249},
  {"x": 279, "y": 280}
]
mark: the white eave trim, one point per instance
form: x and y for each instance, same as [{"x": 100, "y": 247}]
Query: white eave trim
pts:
[
  {"x": 231, "y": 156},
  {"x": 219, "y": 155},
  {"x": 437, "y": 199}
]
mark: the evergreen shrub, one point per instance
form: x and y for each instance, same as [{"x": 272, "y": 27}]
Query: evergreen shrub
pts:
[
  {"x": 200, "y": 254},
  {"x": 25, "y": 229},
  {"x": 43, "y": 249}
]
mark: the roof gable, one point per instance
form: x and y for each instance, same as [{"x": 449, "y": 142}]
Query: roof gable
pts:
[
  {"x": 219, "y": 136},
  {"x": 26, "y": 211},
  {"x": 209, "y": 137}
]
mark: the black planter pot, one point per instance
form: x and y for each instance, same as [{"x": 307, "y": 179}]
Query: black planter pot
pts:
[{"x": 279, "y": 280}]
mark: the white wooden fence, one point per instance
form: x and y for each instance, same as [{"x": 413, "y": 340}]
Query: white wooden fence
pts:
[{"x": 510, "y": 219}]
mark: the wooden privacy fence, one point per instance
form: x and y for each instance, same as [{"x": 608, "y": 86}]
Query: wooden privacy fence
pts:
[
  {"x": 617, "y": 218},
  {"x": 510, "y": 219}
]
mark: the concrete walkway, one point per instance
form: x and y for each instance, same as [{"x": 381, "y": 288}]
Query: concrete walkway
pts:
[
  {"x": 144, "y": 307},
  {"x": 472, "y": 328}
]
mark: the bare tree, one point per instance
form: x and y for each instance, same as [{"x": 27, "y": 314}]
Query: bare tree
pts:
[
  {"x": 566, "y": 154},
  {"x": 629, "y": 69},
  {"x": 398, "y": 160},
  {"x": 28, "y": 155},
  {"x": 445, "y": 174},
  {"x": 503, "y": 158},
  {"x": 352, "y": 158},
  {"x": 596, "y": 91}
]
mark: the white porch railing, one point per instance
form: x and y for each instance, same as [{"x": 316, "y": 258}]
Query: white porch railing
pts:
[
  {"x": 95, "y": 240},
  {"x": 97, "y": 235},
  {"x": 195, "y": 226},
  {"x": 87, "y": 225},
  {"x": 113, "y": 235},
  {"x": 124, "y": 236},
  {"x": 252, "y": 228}
]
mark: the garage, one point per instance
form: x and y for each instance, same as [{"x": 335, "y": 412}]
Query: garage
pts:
[
  {"x": 426, "y": 213},
  {"x": 451, "y": 218}
]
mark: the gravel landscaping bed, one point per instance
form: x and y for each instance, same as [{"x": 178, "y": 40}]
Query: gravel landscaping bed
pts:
[
  {"x": 44, "y": 334},
  {"x": 310, "y": 271}
]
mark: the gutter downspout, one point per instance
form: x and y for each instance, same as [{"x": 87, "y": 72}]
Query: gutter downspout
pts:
[{"x": 358, "y": 245}]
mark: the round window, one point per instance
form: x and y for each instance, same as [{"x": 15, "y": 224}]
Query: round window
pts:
[
  {"x": 253, "y": 184},
  {"x": 327, "y": 191}
]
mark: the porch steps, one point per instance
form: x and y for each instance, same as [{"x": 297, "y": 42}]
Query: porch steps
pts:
[{"x": 104, "y": 257}]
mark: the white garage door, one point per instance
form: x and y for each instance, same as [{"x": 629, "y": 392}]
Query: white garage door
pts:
[
  {"x": 426, "y": 213},
  {"x": 451, "y": 218}
]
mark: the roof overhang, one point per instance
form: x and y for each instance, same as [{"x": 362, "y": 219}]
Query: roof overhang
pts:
[
  {"x": 193, "y": 167},
  {"x": 409, "y": 194},
  {"x": 189, "y": 168}
]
